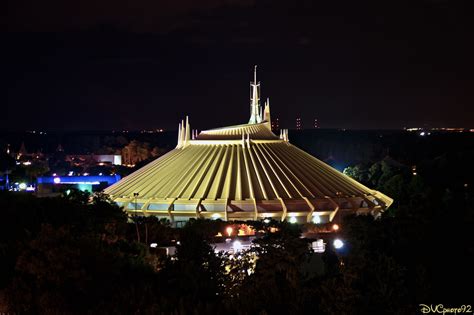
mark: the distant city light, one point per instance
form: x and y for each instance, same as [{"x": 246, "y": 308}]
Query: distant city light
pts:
[
  {"x": 229, "y": 230},
  {"x": 57, "y": 180},
  {"x": 335, "y": 227},
  {"x": 293, "y": 219},
  {"x": 299, "y": 126},
  {"x": 316, "y": 218},
  {"x": 422, "y": 133},
  {"x": 316, "y": 124},
  {"x": 22, "y": 186},
  {"x": 153, "y": 245},
  {"x": 338, "y": 243}
]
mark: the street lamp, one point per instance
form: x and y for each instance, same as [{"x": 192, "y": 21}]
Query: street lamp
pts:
[{"x": 338, "y": 244}]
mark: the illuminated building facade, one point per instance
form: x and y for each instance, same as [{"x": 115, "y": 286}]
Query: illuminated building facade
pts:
[
  {"x": 243, "y": 172},
  {"x": 51, "y": 185}
]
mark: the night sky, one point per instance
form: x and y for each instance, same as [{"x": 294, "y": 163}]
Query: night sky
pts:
[{"x": 142, "y": 64}]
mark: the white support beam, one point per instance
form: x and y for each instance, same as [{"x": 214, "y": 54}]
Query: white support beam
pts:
[{"x": 285, "y": 209}]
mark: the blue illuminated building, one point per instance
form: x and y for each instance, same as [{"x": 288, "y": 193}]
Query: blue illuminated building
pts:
[{"x": 52, "y": 184}]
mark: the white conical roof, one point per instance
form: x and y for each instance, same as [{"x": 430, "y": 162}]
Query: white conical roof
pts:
[{"x": 242, "y": 172}]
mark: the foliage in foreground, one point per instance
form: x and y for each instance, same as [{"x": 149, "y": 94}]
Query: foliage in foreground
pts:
[{"x": 77, "y": 255}]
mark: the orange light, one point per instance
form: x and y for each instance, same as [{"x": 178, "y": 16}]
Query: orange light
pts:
[
  {"x": 229, "y": 230},
  {"x": 335, "y": 227}
]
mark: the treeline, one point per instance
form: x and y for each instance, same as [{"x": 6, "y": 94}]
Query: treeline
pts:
[
  {"x": 78, "y": 254},
  {"x": 99, "y": 142},
  {"x": 73, "y": 255},
  {"x": 344, "y": 148}
]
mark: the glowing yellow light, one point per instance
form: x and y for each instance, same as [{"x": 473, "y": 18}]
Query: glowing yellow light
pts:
[
  {"x": 229, "y": 230},
  {"x": 335, "y": 227}
]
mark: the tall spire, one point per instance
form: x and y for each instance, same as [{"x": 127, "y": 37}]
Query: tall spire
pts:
[
  {"x": 187, "y": 136},
  {"x": 255, "y": 74},
  {"x": 184, "y": 133},
  {"x": 266, "y": 112},
  {"x": 255, "y": 110}
]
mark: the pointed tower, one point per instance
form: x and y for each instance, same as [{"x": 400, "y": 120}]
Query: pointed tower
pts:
[
  {"x": 183, "y": 132},
  {"x": 187, "y": 136},
  {"x": 255, "y": 108},
  {"x": 266, "y": 112}
]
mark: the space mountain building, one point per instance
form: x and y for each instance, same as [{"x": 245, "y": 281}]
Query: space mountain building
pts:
[{"x": 243, "y": 172}]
